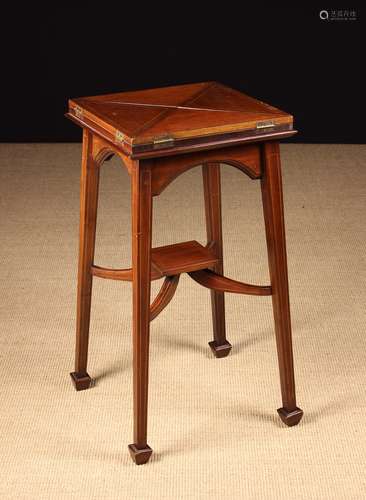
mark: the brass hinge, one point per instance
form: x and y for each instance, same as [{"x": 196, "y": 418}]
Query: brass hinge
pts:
[
  {"x": 163, "y": 142},
  {"x": 119, "y": 136},
  {"x": 78, "y": 112},
  {"x": 265, "y": 124}
]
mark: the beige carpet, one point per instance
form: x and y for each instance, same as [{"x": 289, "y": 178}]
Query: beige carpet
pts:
[{"x": 213, "y": 424}]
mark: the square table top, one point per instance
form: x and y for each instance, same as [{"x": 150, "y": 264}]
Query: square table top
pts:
[{"x": 183, "y": 117}]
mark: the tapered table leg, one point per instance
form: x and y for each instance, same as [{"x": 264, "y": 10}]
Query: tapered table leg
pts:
[
  {"x": 212, "y": 194},
  {"x": 271, "y": 184},
  {"x": 141, "y": 262},
  {"x": 88, "y": 217}
]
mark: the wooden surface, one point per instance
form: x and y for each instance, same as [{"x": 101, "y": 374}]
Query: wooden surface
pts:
[
  {"x": 165, "y": 170},
  {"x": 89, "y": 183},
  {"x": 211, "y": 115},
  {"x": 212, "y": 196},
  {"x": 167, "y": 260},
  {"x": 182, "y": 258},
  {"x": 141, "y": 211},
  {"x": 214, "y": 281},
  {"x": 165, "y": 295},
  {"x": 147, "y": 122},
  {"x": 272, "y": 197}
]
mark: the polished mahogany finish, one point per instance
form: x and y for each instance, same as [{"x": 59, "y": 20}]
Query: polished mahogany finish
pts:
[
  {"x": 159, "y": 134},
  {"x": 221, "y": 283},
  {"x": 165, "y": 295},
  {"x": 271, "y": 184},
  {"x": 145, "y": 122},
  {"x": 88, "y": 217},
  {"x": 212, "y": 194}
]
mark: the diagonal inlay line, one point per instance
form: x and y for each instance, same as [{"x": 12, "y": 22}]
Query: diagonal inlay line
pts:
[
  {"x": 171, "y": 106},
  {"x": 169, "y": 110}
]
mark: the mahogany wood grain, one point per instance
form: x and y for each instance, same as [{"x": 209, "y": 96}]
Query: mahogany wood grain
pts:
[
  {"x": 191, "y": 116},
  {"x": 246, "y": 158},
  {"x": 194, "y": 110},
  {"x": 272, "y": 197},
  {"x": 214, "y": 281},
  {"x": 165, "y": 295},
  {"x": 165, "y": 261},
  {"x": 182, "y": 258},
  {"x": 121, "y": 274},
  {"x": 212, "y": 196},
  {"x": 214, "y": 142},
  {"x": 88, "y": 218},
  {"x": 159, "y": 134},
  {"x": 141, "y": 264},
  {"x": 103, "y": 150}
]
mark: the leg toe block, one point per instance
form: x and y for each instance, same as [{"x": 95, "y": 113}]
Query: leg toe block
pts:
[
  {"x": 220, "y": 351},
  {"x": 81, "y": 381},
  {"x": 140, "y": 455},
  {"x": 292, "y": 417}
]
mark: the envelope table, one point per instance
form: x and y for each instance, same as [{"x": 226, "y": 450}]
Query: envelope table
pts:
[{"x": 160, "y": 134}]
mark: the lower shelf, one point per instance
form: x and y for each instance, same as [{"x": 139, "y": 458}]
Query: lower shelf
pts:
[
  {"x": 167, "y": 261},
  {"x": 181, "y": 258},
  {"x": 190, "y": 257}
]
